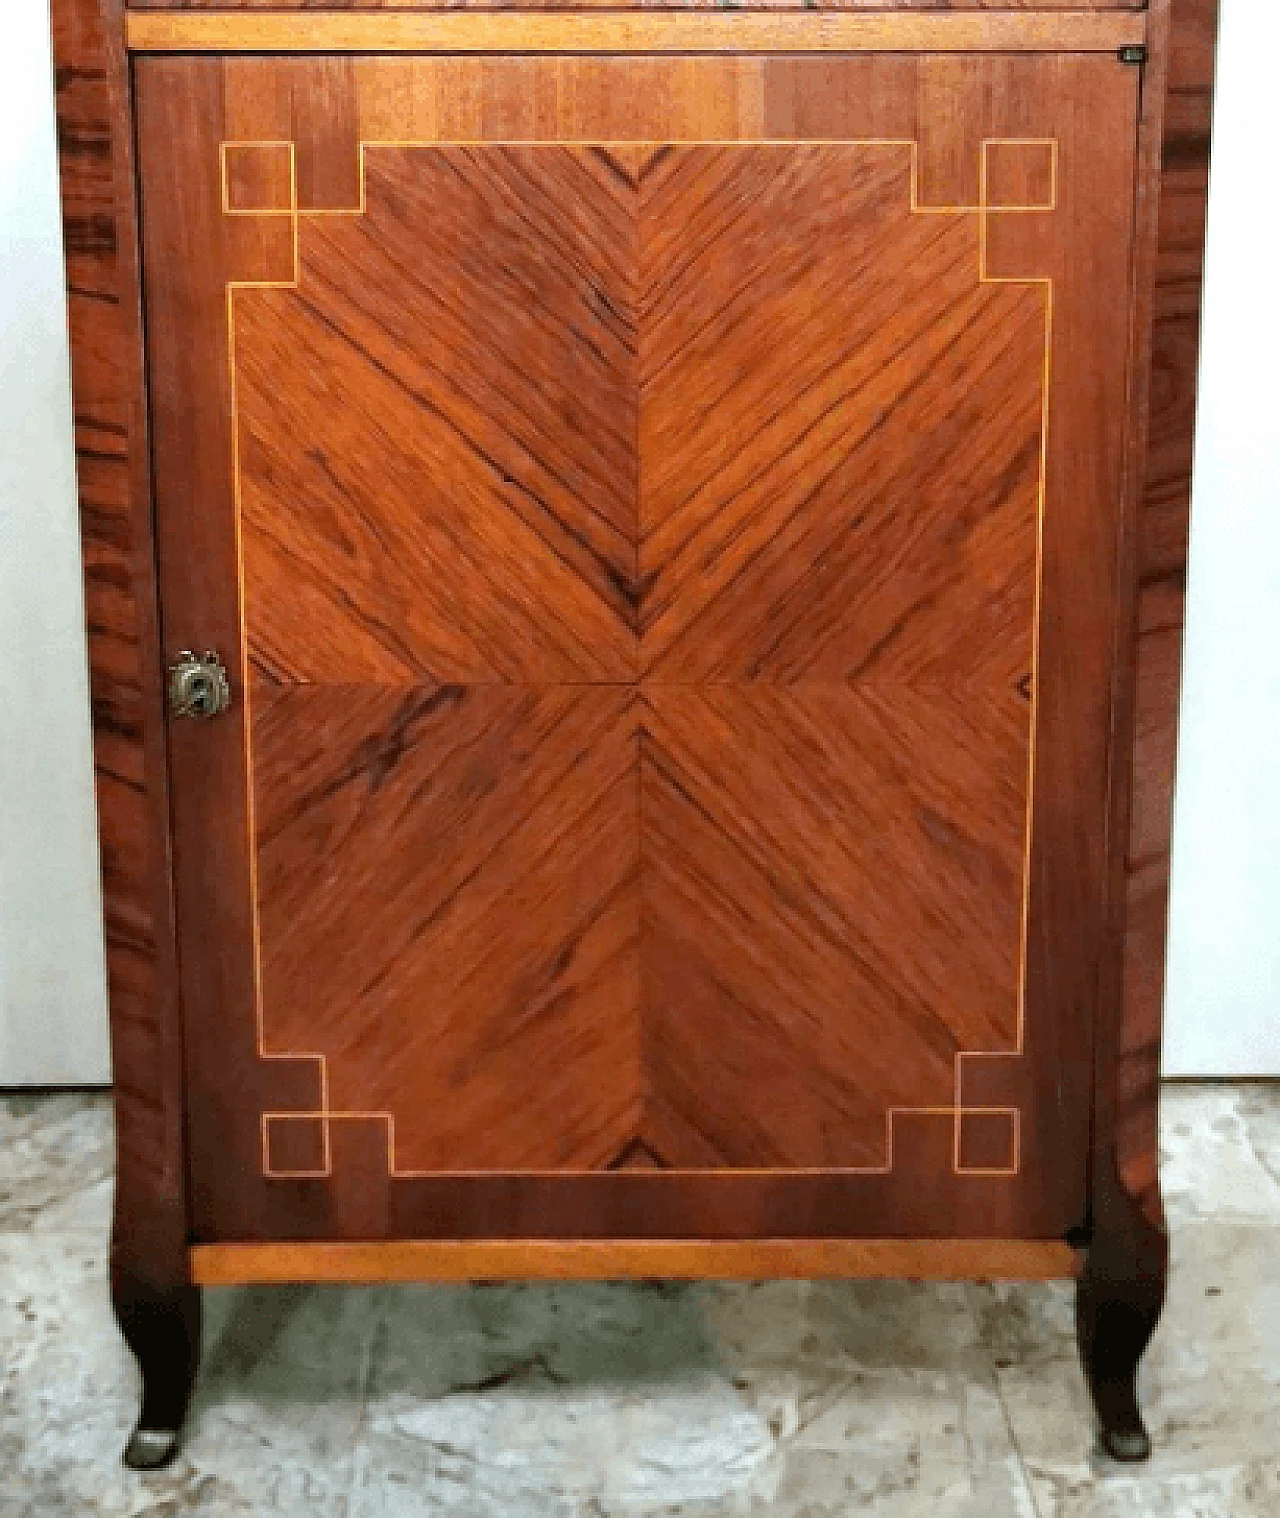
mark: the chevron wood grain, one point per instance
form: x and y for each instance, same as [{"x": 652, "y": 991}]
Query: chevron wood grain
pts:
[
  {"x": 486, "y": 1003},
  {"x": 832, "y": 898},
  {"x": 474, "y": 333},
  {"x": 583, "y": 338},
  {"x": 758, "y": 434},
  {"x": 639, "y": 537}
]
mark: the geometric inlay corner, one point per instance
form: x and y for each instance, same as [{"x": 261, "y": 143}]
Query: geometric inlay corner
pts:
[
  {"x": 258, "y": 178},
  {"x": 295, "y": 1145},
  {"x": 987, "y": 1142},
  {"x": 1020, "y": 174}
]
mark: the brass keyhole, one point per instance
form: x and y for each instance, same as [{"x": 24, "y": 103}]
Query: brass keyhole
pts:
[{"x": 198, "y": 687}]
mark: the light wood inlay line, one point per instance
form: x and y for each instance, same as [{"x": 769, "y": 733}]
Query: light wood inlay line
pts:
[
  {"x": 623, "y": 32},
  {"x": 616, "y": 1259}
]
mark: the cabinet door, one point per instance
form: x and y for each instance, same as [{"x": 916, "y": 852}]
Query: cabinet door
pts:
[{"x": 659, "y": 517}]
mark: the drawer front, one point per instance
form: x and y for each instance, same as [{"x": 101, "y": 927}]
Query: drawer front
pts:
[{"x": 659, "y": 518}]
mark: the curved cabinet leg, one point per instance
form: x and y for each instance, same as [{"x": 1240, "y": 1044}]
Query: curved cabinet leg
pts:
[
  {"x": 161, "y": 1325},
  {"x": 1118, "y": 1303}
]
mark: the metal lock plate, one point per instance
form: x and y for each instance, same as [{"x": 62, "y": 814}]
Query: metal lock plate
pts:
[{"x": 198, "y": 687}]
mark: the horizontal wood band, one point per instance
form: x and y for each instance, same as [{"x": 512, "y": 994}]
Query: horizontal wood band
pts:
[
  {"x": 627, "y": 32},
  {"x": 592, "y": 1259}
]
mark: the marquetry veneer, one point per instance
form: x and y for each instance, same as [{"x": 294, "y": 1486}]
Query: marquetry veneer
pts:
[{"x": 671, "y": 493}]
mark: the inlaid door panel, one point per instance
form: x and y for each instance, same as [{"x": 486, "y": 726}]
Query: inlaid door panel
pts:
[{"x": 659, "y": 516}]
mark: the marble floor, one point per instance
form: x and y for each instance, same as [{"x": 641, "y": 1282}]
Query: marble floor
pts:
[{"x": 633, "y": 1401}]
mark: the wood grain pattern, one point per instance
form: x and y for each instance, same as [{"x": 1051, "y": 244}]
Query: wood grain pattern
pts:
[
  {"x": 93, "y": 137},
  {"x": 400, "y": 839},
  {"x": 408, "y": 411},
  {"x": 496, "y": 539},
  {"x": 808, "y": 946},
  {"x": 403, "y": 574},
  {"x": 613, "y": 1260},
  {"x": 1124, "y": 1281},
  {"x": 1161, "y": 559},
  {"x": 753, "y": 449},
  {"x": 696, "y": 500},
  {"x": 155, "y": 1304},
  {"x": 615, "y": 31},
  {"x": 98, "y": 212},
  {"x": 506, "y": 6}
]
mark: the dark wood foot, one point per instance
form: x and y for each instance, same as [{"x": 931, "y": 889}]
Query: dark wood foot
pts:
[
  {"x": 161, "y": 1325},
  {"x": 1118, "y": 1303}
]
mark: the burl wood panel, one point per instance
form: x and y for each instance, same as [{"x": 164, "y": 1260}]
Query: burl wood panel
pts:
[
  {"x": 96, "y": 170},
  {"x": 541, "y": 372}
]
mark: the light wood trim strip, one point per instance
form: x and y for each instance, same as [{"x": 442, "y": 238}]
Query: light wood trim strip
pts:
[
  {"x": 626, "y": 32},
  {"x": 609, "y": 1259}
]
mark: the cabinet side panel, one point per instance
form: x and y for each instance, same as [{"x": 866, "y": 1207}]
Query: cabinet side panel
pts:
[
  {"x": 1161, "y": 568},
  {"x": 91, "y": 75}
]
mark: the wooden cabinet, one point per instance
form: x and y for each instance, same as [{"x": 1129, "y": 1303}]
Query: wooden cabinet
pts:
[{"x": 661, "y": 489}]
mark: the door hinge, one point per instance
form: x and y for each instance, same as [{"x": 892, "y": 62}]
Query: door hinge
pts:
[{"x": 1133, "y": 54}]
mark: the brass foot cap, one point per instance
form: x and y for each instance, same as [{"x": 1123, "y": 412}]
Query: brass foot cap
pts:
[
  {"x": 1129, "y": 1446},
  {"x": 151, "y": 1448}
]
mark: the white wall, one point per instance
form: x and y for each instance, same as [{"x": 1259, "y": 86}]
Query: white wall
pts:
[
  {"x": 1224, "y": 962},
  {"x": 52, "y": 1000},
  {"x": 1223, "y": 1009}
]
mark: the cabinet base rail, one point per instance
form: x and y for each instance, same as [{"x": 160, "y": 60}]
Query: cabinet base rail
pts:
[{"x": 621, "y": 1259}]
